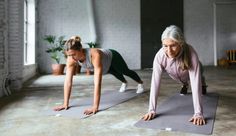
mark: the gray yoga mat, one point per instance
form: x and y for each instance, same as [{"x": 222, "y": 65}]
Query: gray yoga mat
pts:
[
  {"x": 107, "y": 100},
  {"x": 174, "y": 113}
]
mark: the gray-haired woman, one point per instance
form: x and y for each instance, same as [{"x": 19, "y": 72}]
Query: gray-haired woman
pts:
[{"x": 181, "y": 62}]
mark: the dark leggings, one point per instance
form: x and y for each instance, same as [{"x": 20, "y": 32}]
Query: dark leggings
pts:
[
  {"x": 203, "y": 77},
  {"x": 119, "y": 68}
]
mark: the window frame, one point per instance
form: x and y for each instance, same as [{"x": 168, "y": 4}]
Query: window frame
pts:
[{"x": 29, "y": 32}]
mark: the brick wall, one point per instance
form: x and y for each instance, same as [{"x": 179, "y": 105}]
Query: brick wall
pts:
[
  {"x": 2, "y": 17},
  {"x": 11, "y": 45},
  {"x": 15, "y": 42}
]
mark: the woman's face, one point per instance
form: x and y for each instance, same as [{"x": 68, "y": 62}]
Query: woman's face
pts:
[
  {"x": 76, "y": 55},
  {"x": 171, "y": 47}
]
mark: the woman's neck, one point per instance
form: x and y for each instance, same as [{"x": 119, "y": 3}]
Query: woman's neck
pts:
[{"x": 82, "y": 55}]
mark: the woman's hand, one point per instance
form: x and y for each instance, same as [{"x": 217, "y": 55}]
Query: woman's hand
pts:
[
  {"x": 148, "y": 116},
  {"x": 197, "y": 120},
  {"x": 59, "y": 108},
  {"x": 92, "y": 110}
]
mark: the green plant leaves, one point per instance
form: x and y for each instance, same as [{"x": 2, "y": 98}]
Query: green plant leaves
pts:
[
  {"x": 56, "y": 46},
  {"x": 92, "y": 44}
]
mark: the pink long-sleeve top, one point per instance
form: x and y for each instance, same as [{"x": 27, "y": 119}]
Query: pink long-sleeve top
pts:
[{"x": 172, "y": 67}]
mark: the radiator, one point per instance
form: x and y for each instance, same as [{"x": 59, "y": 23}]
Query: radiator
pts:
[{"x": 231, "y": 56}]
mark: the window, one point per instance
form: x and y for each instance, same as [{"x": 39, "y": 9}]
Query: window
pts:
[{"x": 29, "y": 32}]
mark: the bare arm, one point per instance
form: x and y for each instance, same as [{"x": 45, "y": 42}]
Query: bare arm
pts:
[
  {"x": 70, "y": 67},
  {"x": 97, "y": 63}
]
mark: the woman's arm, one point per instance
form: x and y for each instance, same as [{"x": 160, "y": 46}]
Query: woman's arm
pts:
[
  {"x": 70, "y": 67},
  {"x": 196, "y": 86},
  {"x": 155, "y": 87},
  {"x": 96, "y": 58}
]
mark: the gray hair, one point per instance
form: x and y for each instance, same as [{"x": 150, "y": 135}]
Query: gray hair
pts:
[{"x": 174, "y": 33}]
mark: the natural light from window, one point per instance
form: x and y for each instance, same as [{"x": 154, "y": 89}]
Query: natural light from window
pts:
[{"x": 29, "y": 32}]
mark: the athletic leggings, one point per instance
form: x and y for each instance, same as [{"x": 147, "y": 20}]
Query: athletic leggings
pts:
[
  {"x": 119, "y": 68},
  {"x": 203, "y": 77}
]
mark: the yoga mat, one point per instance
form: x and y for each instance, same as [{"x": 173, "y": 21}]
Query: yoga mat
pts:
[
  {"x": 174, "y": 113},
  {"x": 107, "y": 100}
]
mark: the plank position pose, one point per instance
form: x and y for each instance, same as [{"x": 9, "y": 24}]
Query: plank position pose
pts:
[
  {"x": 101, "y": 61},
  {"x": 181, "y": 62}
]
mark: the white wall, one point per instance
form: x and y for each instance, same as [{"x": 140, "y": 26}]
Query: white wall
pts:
[
  {"x": 225, "y": 27},
  {"x": 198, "y": 28},
  {"x": 58, "y": 18},
  {"x": 117, "y": 26},
  {"x": 203, "y": 26}
]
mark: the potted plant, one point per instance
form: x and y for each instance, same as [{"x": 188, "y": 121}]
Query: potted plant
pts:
[
  {"x": 91, "y": 45},
  {"x": 56, "y": 52}
]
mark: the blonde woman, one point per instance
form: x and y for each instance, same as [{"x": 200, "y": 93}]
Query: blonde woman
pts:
[
  {"x": 181, "y": 62},
  {"x": 101, "y": 61}
]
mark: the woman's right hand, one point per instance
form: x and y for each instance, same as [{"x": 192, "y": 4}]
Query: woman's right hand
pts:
[
  {"x": 59, "y": 108},
  {"x": 148, "y": 116}
]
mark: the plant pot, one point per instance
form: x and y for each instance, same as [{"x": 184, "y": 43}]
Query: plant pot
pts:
[
  {"x": 77, "y": 69},
  {"x": 58, "y": 69},
  {"x": 88, "y": 72}
]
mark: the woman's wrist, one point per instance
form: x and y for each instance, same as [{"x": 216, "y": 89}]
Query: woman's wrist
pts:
[
  {"x": 95, "y": 107},
  {"x": 152, "y": 111},
  {"x": 65, "y": 104},
  {"x": 198, "y": 115}
]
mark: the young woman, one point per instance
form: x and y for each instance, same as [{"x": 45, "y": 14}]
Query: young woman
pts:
[
  {"x": 181, "y": 62},
  {"x": 101, "y": 61}
]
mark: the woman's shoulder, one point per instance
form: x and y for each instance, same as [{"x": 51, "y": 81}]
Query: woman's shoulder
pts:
[
  {"x": 191, "y": 49},
  {"x": 95, "y": 52},
  {"x": 160, "y": 56},
  {"x": 160, "y": 53},
  {"x": 193, "y": 52}
]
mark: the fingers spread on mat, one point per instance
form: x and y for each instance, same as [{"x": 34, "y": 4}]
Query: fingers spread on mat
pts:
[
  {"x": 198, "y": 121},
  {"x": 59, "y": 108},
  {"x": 148, "y": 116},
  {"x": 90, "y": 111}
]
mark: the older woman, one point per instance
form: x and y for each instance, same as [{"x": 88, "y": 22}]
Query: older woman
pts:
[
  {"x": 181, "y": 62},
  {"x": 101, "y": 61}
]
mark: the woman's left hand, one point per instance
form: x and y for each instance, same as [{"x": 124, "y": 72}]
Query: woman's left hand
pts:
[
  {"x": 197, "y": 120},
  {"x": 92, "y": 110}
]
